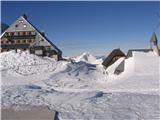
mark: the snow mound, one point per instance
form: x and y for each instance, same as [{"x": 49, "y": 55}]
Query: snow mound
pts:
[
  {"x": 12, "y": 59},
  {"x": 24, "y": 63},
  {"x": 87, "y": 57},
  {"x": 73, "y": 88}
]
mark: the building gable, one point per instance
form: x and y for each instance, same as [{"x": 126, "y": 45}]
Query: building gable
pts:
[
  {"x": 22, "y": 24},
  {"x": 112, "y": 57}
]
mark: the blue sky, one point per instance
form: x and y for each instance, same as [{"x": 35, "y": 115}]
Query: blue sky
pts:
[{"x": 95, "y": 27}]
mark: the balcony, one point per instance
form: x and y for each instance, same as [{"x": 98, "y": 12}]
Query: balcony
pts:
[
  {"x": 20, "y": 35},
  {"x": 15, "y": 46}
]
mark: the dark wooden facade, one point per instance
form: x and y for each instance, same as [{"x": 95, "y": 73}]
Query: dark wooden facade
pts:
[{"x": 17, "y": 40}]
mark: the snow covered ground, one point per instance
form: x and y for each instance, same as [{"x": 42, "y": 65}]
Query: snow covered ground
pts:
[{"x": 79, "y": 89}]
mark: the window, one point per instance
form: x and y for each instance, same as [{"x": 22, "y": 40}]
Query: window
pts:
[
  {"x": 38, "y": 52},
  {"x": 12, "y": 41},
  {"x": 47, "y": 47},
  {"x": 18, "y": 41},
  {"x": 115, "y": 58},
  {"x": 21, "y": 33},
  {"x": 12, "y": 33},
  {"x": 27, "y": 33},
  {"x": 29, "y": 41},
  {"x": 24, "y": 41},
  {"x": 24, "y": 25},
  {"x": 9, "y": 34},
  {"x": 20, "y": 21},
  {"x": 24, "y": 33},
  {"x": 33, "y": 33},
  {"x": 16, "y": 25}
]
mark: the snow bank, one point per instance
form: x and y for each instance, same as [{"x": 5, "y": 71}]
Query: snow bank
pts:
[
  {"x": 74, "y": 90},
  {"x": 141, "y": 72},
  {"x": 24, "y": 63},
  {"x": 12, "y": 59},
  {"x": 56, "y": 73}
]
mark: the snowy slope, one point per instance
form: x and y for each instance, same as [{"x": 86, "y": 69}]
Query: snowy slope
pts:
[{"x": 80, "y": 90}]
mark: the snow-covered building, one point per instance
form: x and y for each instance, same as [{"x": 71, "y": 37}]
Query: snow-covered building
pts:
[
  {"x": 153, "y": 47},
  {"x": 24, "y": 36},
  {"x": 130, "y": 51},
  {"x": 112, "y": 57}
]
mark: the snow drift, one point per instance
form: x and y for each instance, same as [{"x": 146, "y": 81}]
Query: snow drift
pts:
[
  {"x": 80, "y": 90},
  {"x": 24, "y": 63}
]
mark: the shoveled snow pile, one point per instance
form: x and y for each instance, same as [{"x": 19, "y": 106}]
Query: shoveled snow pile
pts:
[
  {"x": 86, "y": 57},
  {"x": 80, "y": 90}
]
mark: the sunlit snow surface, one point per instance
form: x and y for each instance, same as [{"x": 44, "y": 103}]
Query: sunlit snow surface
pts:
[{"x": 80, "y": 90}]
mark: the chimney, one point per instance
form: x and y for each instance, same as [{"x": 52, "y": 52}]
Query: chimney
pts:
[{"x": 25, "y": 16}]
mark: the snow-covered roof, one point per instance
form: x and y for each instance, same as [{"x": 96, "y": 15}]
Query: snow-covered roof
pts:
[{"x": 115, "y": 52}]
